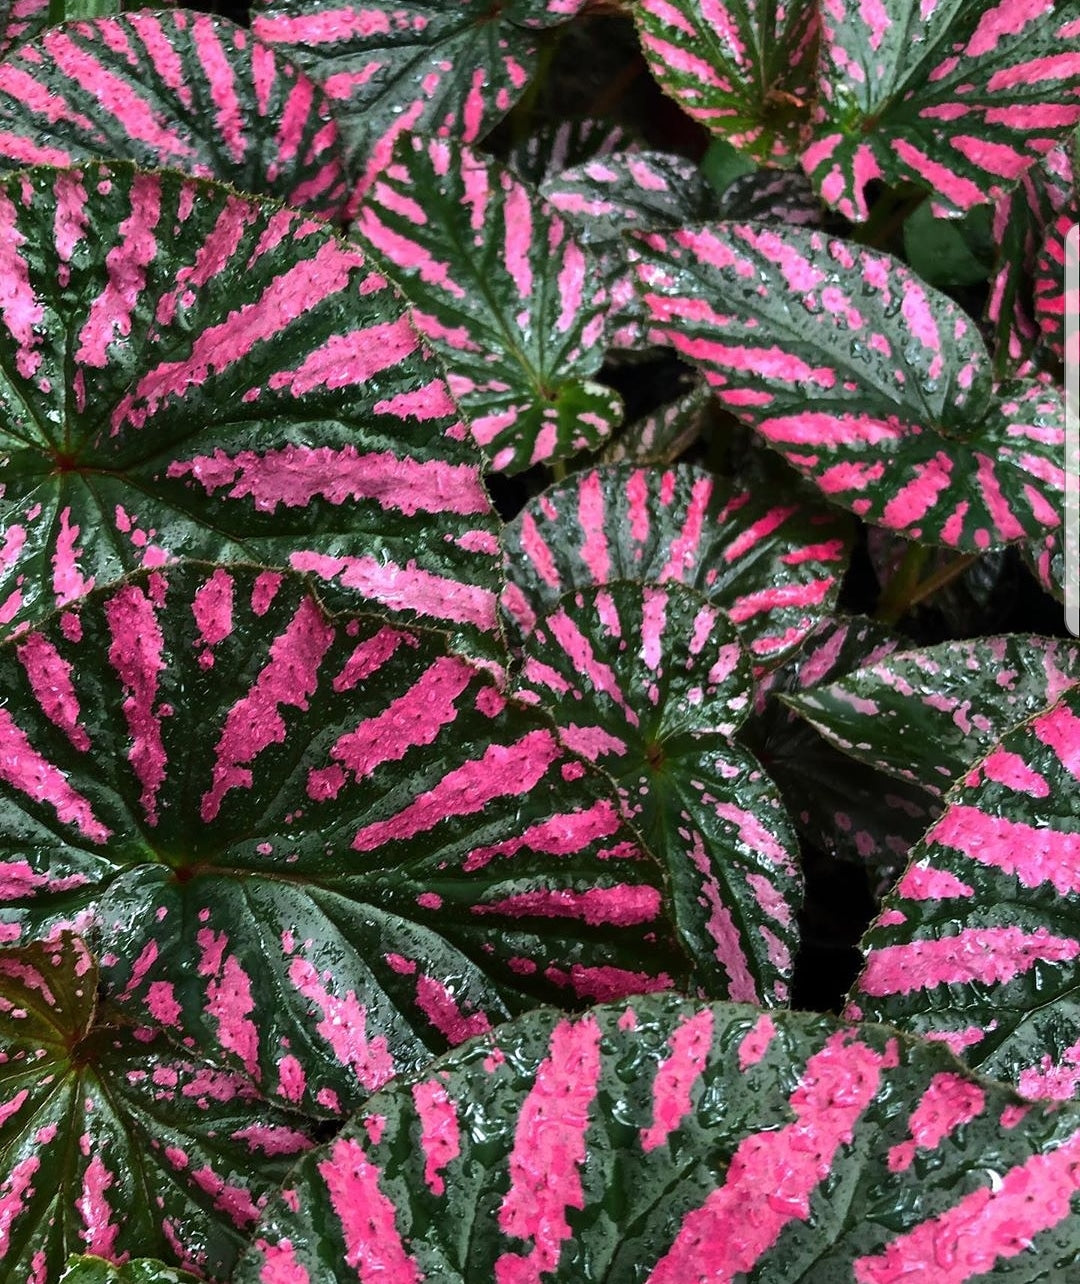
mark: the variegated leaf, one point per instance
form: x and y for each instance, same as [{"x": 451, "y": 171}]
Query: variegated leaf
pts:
[
  {"x": 21, "y": 20},
  {"x": 843, "y": 807},
  {"x": 666, "y": 1141},
  {"x": 928, "y": 715},
  {"x": 114, "y": 1143},
  {"x": 321, "y": 847},
  {"x": 627, "y": 191},
  {"x": 1021, "y": 217},
  {"x": 977, "y": 946},
  {"x": 959, "y": 98},
  {"x": 743, "y": 68},
  {"x": 772, "y": 196},
  {"x": 177, "y": 89},
  {"x": 396, "y": 65},
  {"x": 663, "y": 435},
  {"x": 775, "y": 568},
  {"x": 185, "y": 372},
  {"x": 872, "y": 384},
  {"x": 1050, "y": 282},
  {"x": 557, "y": 147},
  {"x": 650, "y": 682},
  {"x": 96, "y": 1270},
  {"x": 504, "y": 291}
]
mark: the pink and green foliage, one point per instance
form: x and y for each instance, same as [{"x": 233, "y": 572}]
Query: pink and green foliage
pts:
[{"x": 523, "y": 531}]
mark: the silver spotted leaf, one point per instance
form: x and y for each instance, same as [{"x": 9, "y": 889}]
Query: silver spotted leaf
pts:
[
  {"x": 650, "y": 683},
  {"x": 742, "y": 68},
  {"x": 959, "y": 98},
  {"x": 666, "y": 1141},
  {"x": 422, "y": 65},
  {"x": 173, "y": 89},
  {"x": 503, "y": 290},
  {"x": 184, "y": 372},
  {"x": 872, "y": 384},
  {"x": 775, "y": 568},
  {"x": 977, "y": 945},
  {"x": 928, "y": 715},
  {"x": 321, "y": 848},
  {"x": 115, "y": 1143}
]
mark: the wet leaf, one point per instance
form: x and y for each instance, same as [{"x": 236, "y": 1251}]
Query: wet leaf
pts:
[
  {"x": 870, "y": 383},
  {"x": 184, "y": 372},
  {"x": 323, "y": 849},
  {"x": 774, "y": 568},
  {"x": 113, "y": 1142},
  {"x": 143, "y": 1270},
  {"x": 176, "y": 89},
  {"x": 743, "y": 68},
  {"x": 650, "y": 683},
  {"x": 960, "y": 98},
  {"x": 666, "y": 1141},
  {"x": 977, "y": 945},
  {"x": 504, "y": 291}
]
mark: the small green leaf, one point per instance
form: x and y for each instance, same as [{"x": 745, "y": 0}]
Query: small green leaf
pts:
[
  {"x": 949, "y": 252},
  {"x": 96, "y": 1270}
]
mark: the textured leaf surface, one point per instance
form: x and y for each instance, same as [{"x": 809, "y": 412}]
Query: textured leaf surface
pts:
[
  {"x": 665, "y": 1142},
  {"x": 184, "y": 372},
  {"x": 960, "y": 98},
  {"x": 650, "y": 682},
  {"x": 556, "y": 147},
  {"x": 743, "y": 68},
  {"x": 112, "y": 1142},
  {"x": 177, "y": 89},
  {"x": 774, "y": 568},
  {"x": 865, "y": 380},
  {"x": 504, "y": 292},
  {"x": 609, "y": 195},
  {"x": 1050, "y": 283},
  {"x": 422, "y": 65},
  {"x": 143, "y": 1270},
  {"x": 772, "y": 196},
  {"x": 321, "y": 848},
  {"x": 929, "y": 715},
  {"x": 977, "y": 946},
  {"x": 663, "y": 435},
  {"x": 21, "y": 20},
  {"x": 841, "y": 806}
]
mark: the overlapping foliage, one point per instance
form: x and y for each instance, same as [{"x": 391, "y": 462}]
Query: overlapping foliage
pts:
[{"x": 508, "y": 561}]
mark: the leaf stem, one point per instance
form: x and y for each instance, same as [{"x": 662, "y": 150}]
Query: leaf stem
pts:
[{"x": 905, "y": 590}]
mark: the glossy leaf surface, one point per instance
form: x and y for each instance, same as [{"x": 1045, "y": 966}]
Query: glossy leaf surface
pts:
[
  {"x": 143, "y": 1270},
  {"x": 666, "y": 1141},
  {"x": 929, "y": 715},
  {"x": 743, "y": 68},
  {"x": 322, "y": 848},
  {"x": 172, "y": 89},
  {"x": 112, "y": 1142},
  {"x": 977, "y": 945},
  {"x": 650, "y": 682},
  {"x": 774, "y": 568},
  {"x": 505, "y": 293},
  {"x": 1050, "y": 302},
  {"x": 185, "y": 372},
  {"x": 422, "y": 65},
  {"x": 841, "y": 805},
  {"x": 959, "y": 98},
  {"x": 872, "y": 384}
]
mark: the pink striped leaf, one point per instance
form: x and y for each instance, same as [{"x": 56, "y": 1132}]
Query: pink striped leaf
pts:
[
  {"x": 650, "y": 683},
  {"x": 842, "y": 806},
  {"x": 1021, "y": 218},
  {"x": 775, "y": 568},
  {"x": 743, "y": 68},
  {"x": 627, "y": 191},
  {"x": 661, "y": 436},
  {"x": 424, "y": 65},
  {"x": 561, "y": 145},
  {"x": 977, "y": 944},
  {"x": 177, "y": 89},
  {"x": 960, "y": 98},
  {"x": 772, "y": 196},
  {"x": 321, "y": 847},
  {"x": 114, "y": 1142},
  {"x": 928, "y": 715},
  {"x": 1050, "y": 282},
  {"x": 668, "y": 1141},
  {"x": 187, "y": 373},
  {"x": 870, "y": 383},
  {"x": 21, "y": 20},
  {"x": 504, "y": 291},
  {"x": 85, "y": 1269}
]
